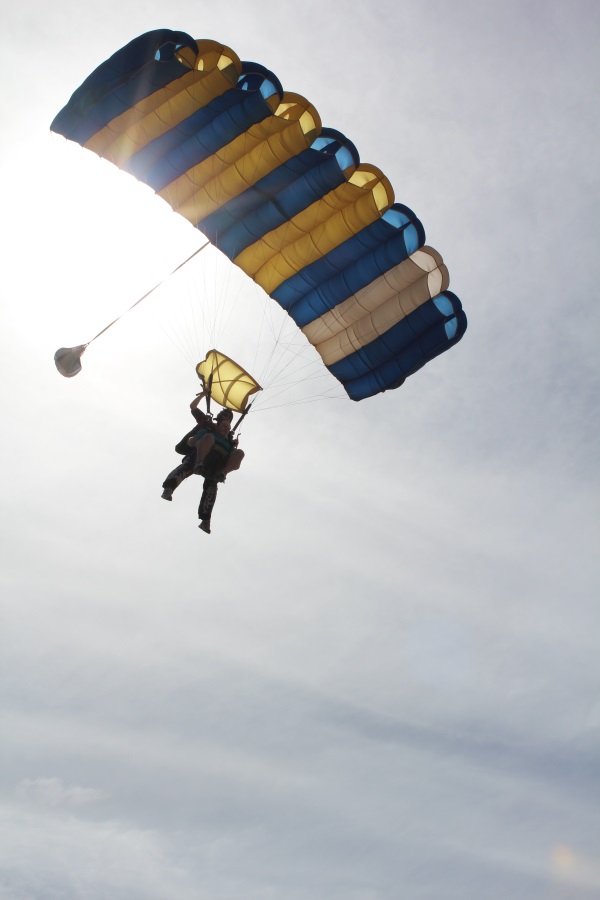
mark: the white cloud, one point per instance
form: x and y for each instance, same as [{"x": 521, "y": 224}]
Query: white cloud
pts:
[
  {"x": 52, "y": 792},
  {"x": 55, "y": 856}
]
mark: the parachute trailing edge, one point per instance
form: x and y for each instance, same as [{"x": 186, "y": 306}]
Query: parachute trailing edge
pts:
[{"x": 286, "y": 199}]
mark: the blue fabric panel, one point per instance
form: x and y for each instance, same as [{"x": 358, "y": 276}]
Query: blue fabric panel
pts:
[
  {"x": 396, "y": 341},
  {"x": 132, "y": 73},
  {"x": 228, "y": 215},
  {"x": 281, "y": 194},
  {"x": 394, "y": 372},
  {"x": 253, "y": 225},
  {"x": 198, "y": 137},
  {"x": 255, "y": 77},
  {"x": 354, "y": 277},
  {"x": 351, "y": 266},
  {"x": 406, "y": 347},
  {"x": 143, "y": 163}
]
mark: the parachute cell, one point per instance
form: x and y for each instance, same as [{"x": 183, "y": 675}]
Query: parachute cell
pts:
[{"x": 287, "y": 200}]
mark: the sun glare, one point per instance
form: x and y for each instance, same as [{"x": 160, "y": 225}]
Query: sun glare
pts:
[{"x": 113, "y": 240}]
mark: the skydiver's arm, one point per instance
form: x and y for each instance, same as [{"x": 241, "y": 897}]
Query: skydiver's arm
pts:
[
  {"x": 199, "y": 416},
  {"x": 197, "y": 399}
]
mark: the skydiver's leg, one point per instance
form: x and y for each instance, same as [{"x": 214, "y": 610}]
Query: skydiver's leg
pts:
[
  {"x": 179, "y": 474},
  {"x": 207, "y": 502},
  {"x": 203, "y": 448},
  {"x": 234, "y": 461}
]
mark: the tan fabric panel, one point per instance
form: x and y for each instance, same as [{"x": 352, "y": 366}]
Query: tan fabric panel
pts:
[
  {"x": 380, "y": 305},
  {"x": 318, "y": 229},
  {"x": 245, "y": 160},
  {"x": 231, "y": 385},
  {"x": 396, "y": 282}
]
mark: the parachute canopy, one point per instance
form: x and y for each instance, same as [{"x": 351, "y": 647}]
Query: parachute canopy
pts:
[
  {"x": 229, "y": 384},
  {"x": 286, "y": 199}
]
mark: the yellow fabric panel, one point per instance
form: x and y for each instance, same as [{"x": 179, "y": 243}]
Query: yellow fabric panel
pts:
[
  {"x": 371, "y": 176},
  {"x": 188, "y": 57},
  {"x": 212, "y": 55},
  {"x": 245, "y": 160},
  {"x": 295, "y": 106},
  {"x": 318, "y": 229},
  {"x": 377, "y": 307},
  {"x": 167, "y": 107},
  {"x": 231, "y": 385}
]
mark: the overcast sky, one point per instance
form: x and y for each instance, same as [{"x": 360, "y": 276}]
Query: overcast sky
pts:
[{"x": 378, "y": 677}]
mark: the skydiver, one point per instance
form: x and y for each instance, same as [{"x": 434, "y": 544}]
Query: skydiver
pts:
[{"x": 212, "y": 451}]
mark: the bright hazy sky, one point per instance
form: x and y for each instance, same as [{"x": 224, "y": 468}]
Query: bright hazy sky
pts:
[{"x": 378, "y": 678}]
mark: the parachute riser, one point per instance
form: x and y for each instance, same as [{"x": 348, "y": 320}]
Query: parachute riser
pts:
[
  {"x": 209, "y": 393},
  {"x": 241, "y": 418}
]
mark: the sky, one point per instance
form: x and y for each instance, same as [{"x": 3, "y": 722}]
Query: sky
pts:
[{"x": 378, "y": 677}]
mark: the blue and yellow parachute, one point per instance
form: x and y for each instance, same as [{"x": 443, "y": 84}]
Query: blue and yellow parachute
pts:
[{"x": 286, "y": 199}]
